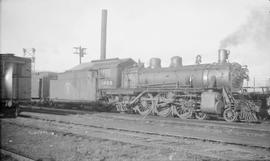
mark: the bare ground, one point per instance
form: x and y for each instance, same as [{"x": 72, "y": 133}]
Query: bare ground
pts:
[
  {"x": 46, "y": 140},
  {"x": 44, "y": 145}
]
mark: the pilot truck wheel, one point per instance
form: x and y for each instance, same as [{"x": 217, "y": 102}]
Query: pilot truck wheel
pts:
[{"x": 230, "y": 115}]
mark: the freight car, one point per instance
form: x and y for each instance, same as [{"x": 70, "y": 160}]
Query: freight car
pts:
[
  {"x": 40, "y": 86},
  {"x": 15, "y": 83},
  {"x": 192, "y": 91}
]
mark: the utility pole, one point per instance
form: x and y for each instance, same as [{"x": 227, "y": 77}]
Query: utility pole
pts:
[
  {"x": 80, "y": 51},
  {"x": 31, "y": 53}
]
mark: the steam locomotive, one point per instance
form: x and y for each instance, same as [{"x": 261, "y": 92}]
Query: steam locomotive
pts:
[
  {"x": 191, "y": 91},
  {"x": 198, "y": 90}
]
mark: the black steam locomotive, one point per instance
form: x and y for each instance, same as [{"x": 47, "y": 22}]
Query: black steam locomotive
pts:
[
  {"x": 198, "y": 90},
  {"x": 192, "y": 91}
]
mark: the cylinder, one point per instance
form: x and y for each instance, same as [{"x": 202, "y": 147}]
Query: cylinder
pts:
[
  {"x": 176, "y": 61},
  {"x": 223, "y": 55},
  {"x": 103, "y": 34},
  {"x": 155, "y": 63},
  {"x": 211, "y": 102}
]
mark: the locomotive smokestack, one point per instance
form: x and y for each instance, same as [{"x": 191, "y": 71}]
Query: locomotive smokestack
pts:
[
  {"x": 103, "y": 34},
  {"x": 223, "y": 56}
]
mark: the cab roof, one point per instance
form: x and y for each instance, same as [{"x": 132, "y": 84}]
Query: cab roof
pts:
[{"x": 102, "y": 64}]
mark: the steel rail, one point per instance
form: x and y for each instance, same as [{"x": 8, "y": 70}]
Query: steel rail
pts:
[
  {"x": 153, "y": 133},
  {"x": 14, "y": 155},
  {"x": 191, "y": 122}
]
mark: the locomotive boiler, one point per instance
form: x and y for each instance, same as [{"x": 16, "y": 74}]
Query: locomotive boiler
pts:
[
  {"x": 188, "y": 91},
  {"x": 216, "y": 75}
]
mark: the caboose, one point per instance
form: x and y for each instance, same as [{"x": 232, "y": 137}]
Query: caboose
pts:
[{"x": 15, "y": 82}]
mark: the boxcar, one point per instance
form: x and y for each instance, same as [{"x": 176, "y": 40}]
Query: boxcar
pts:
[
  {"x": 40, "y": 86},
  {"x": 15, "y": 82}
]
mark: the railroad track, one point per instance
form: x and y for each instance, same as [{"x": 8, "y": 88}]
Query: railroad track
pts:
[
  {"x": 15, "y": 155},
  {"x": 139, "y": 140},
  {"x": 140, "y": 137},
  {"x": 161, "y": 134},
  {"x": 259, "y": 126}
]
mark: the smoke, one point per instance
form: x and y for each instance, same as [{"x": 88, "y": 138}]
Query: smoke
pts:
[{"x": 256, "y": 31}]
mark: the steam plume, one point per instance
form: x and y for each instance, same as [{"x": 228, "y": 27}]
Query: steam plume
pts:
[{"x": 256, "y": 30}]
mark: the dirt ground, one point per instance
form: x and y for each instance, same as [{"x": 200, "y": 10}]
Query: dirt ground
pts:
[
  {"x": 52, "y": 141},
  {"x": 44, "y": 145}
]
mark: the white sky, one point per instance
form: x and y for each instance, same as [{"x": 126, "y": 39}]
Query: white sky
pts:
[{"x": 139, "y": 29}]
